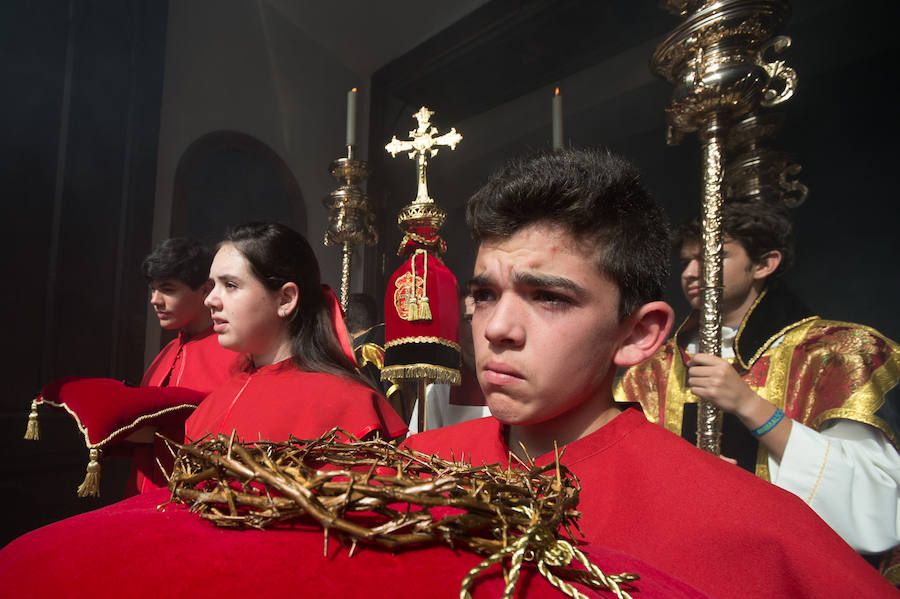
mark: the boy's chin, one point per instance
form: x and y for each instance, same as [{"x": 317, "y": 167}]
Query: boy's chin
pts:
[{"x": 505, "y": 410}]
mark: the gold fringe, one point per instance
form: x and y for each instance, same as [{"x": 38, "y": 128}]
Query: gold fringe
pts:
[
  {"x": 437, "y": 374},
  {"x": 91, "y": 484},
  {"x": 33, "y": 430}
]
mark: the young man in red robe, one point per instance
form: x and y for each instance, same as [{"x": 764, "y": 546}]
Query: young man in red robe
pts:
[
  {"x": 572, "y": 260},
  {"x": 177, "y": 272}
]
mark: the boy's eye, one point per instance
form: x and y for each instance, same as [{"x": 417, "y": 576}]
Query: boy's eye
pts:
[
  {"x": 482, "y": 295},
  {"x": 549, "y": 297}
]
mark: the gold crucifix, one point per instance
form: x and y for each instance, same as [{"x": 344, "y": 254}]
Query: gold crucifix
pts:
[{"x": 422, "y": 146}]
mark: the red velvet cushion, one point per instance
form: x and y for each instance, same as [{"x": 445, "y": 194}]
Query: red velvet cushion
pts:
[
  {"x": 132, "y": 550},
  {"x": 106, "y": 410}
]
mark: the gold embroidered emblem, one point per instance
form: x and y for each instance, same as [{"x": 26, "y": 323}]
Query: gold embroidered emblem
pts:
[{"x": 405, "y": 299}]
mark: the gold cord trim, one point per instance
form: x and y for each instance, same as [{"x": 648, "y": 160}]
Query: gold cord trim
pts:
[
  {"x": 539, "y": 545},
  {"x": 438, "y": 340},
  {"x": 133, "y": 424}
]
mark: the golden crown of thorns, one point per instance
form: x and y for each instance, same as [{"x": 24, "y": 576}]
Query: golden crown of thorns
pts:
[{"x": 372, "y": 491}]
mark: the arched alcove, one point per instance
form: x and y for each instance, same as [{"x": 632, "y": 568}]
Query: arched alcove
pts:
[{"x": 225, "y": 178}]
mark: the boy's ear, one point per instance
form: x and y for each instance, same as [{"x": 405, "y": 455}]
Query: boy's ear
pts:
[
  {"x": 288, "y": 299},
  {"x": 644, "y": 331},
  {"x": 206, "y": 287},
  {"x": 767, "y": 265}
]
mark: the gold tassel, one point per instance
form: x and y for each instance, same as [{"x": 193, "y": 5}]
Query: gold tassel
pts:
[
  {"x": 424, "y": 309},
  {"x": 33, "y": 430},
  {"x": 91, "y": 484},
  {"x": 412, "y": 310}
]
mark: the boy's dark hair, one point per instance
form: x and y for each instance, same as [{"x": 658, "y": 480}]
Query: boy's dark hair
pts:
[
  {"x": 758, "y": 226},
  {"x": 361, "y": 312},
  {"x": 179, "y": 258},
  {"x": 598, "y": 198}
]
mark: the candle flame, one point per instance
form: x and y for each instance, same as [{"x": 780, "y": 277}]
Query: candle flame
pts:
[
  {"x": 556, "y": 93},
  {"x": 354, "y": 90}
]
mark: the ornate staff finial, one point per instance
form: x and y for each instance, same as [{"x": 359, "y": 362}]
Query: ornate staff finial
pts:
[
  {"x": 423, "y": 146},
  {"x": 421, "y": 220},
  {"x": 421, "y": 315}
]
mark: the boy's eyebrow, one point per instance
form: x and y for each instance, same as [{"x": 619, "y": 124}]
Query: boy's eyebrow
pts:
[
  {"x": 532, "y": 279},
  {"x": 482, "y": 280},
  {"x": 537, "y": 279}
]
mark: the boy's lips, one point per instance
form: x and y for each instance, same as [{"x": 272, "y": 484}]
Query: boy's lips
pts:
[{"x": 498, "y": 373}]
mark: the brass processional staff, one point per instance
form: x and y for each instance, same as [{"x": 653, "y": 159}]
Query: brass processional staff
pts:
[
  {"x": 421, "y": 314},
  {"x": 715, "y": 59}
]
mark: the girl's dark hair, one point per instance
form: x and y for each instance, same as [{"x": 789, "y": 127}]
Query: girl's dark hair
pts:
[{"x": 277, "y": 255}]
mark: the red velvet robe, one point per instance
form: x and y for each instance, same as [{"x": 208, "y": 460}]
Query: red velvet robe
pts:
[
  {"x": 130, "y": 549},
  {"x": 279, "y": 400},
  {"x": 649, "y": 493},
  {"x": 197, "y": 362}
]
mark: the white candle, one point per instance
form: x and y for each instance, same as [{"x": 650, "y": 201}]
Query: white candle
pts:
[
  {"x": 557, "y": 120},
  {"x": 351, "y": 117}
]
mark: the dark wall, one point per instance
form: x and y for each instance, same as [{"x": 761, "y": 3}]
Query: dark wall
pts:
[
  {"x": 82, "y": 84},
  {"x": 492, "y": 74}
]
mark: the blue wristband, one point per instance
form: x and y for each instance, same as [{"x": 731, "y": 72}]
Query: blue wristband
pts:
[{"x": 769, "y": 424}]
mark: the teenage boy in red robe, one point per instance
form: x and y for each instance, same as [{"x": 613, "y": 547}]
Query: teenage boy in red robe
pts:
[
  {"x": 177, "y": 272},
  {"x": 571, "y": 264}
]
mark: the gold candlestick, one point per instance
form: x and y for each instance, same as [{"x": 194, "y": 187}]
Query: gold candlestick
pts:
[
  {"x": 716, "y": 60},
  {"x": 350, "y": 219}
]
